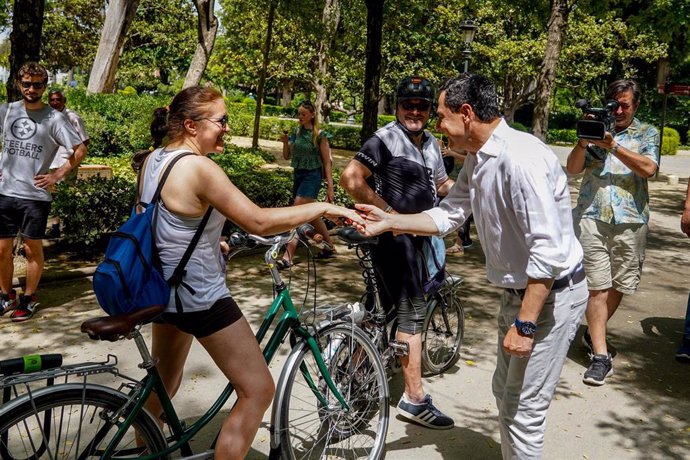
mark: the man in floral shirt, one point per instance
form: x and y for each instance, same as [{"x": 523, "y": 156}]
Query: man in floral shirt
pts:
[{"x": 612, "y": 214}]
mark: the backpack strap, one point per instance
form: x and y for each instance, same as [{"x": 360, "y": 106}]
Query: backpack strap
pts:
[{"x": 178, "y": 275}]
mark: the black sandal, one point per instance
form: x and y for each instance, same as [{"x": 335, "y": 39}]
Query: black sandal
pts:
[{"x": 325, "y": 254}]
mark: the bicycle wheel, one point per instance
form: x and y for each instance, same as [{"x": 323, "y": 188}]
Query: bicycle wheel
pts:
[
  {"x": 311, "y": 429},
  {"x": 444, "y": 328},
  {"x": 73, "y": 422}
]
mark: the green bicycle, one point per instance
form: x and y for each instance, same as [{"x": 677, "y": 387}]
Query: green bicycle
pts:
[{"x": 331, "y": 398}]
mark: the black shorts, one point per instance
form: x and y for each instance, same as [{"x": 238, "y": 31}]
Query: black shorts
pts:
[
  {"x": 201, "y": 324},
  {"x": 30, "y": 217}
]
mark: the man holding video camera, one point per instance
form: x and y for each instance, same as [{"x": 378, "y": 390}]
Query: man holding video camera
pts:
[{"x": 612, "y": 213}]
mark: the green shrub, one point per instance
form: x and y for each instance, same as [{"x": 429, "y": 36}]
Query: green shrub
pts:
[
  {"x": 127, "y": 91},
  {"x": 341, "y": 196},
  {"x": 519, "y": 126},
  {"x": 670, "y": 142},
  {"x": 116, "y": 124},
  {"x": 266, "y": 188},
  {"x": 90, "y": 208},
  {"x": 121, "y": 165},
  {"x": 565, "y": 136}
]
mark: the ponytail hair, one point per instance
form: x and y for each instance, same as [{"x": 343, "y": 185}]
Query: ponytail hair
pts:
[{"x": 168, "y": 122}]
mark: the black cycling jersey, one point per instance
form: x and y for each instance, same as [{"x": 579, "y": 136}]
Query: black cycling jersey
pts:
[{"x": 406, "y": 179}]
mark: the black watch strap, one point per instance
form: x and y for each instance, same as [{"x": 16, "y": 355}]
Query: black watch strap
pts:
[{"x": 527, "y": 328}]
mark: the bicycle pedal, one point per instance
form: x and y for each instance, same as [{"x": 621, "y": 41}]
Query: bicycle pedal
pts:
[{"x": 399, "y": 348}]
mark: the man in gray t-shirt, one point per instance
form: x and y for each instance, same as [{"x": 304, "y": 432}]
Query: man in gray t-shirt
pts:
[{"x": 32, "y": 132}]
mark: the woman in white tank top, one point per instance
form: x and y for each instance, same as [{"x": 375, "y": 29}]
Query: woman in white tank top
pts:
[{"x": 196, "y": 121}]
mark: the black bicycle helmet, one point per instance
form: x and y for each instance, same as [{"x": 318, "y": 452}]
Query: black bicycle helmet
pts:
[{"x": 415, "y": 87}]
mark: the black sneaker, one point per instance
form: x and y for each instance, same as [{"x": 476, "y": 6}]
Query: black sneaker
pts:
[
  {"x": 26, "y": 308},
  {"x": 424, "y": 413},
  {"x": 600, "y": 368},
  {"x": 587, "y": 343}
]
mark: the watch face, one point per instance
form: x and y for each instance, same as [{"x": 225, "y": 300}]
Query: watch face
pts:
[{"x": 526, "y": 327}]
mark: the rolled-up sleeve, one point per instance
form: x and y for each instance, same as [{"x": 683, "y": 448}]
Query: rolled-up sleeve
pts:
[{"x": 454, "y": 209}]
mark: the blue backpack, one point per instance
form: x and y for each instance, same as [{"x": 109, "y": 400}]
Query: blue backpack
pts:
[{"x": 130, "y": 277}]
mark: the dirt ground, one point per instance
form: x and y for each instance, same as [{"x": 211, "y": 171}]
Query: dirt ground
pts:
[{"x": 642, "y": 412}]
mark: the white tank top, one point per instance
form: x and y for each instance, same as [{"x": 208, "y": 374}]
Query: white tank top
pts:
[{"x": 204, "y": 272}]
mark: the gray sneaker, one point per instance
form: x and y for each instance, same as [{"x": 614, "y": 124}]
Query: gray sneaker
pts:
[
  {"x": 8, "y": 301},
  {"x": 600, "y": 368},
  {"x": 425, "y": 414}
]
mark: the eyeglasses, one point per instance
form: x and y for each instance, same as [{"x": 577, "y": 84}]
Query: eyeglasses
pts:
[
  {"x": 222, "y": 121},
  {"x": 36, "y": 85},
  {"x": 421, "y": 106}
]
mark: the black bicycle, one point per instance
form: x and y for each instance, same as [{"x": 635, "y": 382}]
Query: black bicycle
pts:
[{"x": 444, "y": 325}]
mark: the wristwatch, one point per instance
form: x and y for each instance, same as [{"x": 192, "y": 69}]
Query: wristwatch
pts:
[
  {"x": 614, "y": 149},
  {"x": 527, "y": 328}
]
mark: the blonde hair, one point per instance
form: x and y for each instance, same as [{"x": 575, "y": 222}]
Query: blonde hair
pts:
[{"x": 315, "y": 123}]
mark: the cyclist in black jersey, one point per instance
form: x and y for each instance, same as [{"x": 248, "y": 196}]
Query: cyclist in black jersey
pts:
[{"x": 400, "y": 169}]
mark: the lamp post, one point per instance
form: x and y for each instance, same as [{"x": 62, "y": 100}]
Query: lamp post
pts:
[{"x": 469, "y": 27}]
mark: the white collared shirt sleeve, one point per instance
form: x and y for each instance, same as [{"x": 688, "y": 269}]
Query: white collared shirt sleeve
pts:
[
  {"x": 532, "y": 186},
  {"x": 452, "y": 211}
]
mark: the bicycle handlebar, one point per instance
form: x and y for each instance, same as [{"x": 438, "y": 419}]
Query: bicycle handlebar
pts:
[{"x": 242, "y": 240}]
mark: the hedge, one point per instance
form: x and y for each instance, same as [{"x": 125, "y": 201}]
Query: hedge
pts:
[
  {"x": 670, "y": 142},
  {"x": 119, "y": 123},
  {"x": 91, "y": 208}
]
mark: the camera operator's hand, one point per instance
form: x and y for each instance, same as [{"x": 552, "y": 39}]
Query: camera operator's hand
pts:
[{"x": 606, "y": 143}]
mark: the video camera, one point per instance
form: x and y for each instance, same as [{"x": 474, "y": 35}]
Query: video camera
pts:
[{"x": 597, "y": 120}]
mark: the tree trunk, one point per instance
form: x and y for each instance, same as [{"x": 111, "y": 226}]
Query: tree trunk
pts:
[
  {"x": 207, "y": 26},
  {"x": 25, "y": 39},
  {"x": 558, "y": 22},
  {"x": 118, "y": 18},
  {"x": 516, "y": 93},
  {"x": 372, "y": 70},
  {"x": 287, "y": 95},
  {"x": 264, "y": 71},
  {"x": 330, "y": 19}
]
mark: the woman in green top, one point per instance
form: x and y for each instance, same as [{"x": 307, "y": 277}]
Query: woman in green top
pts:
[{"x": 311, "y": 161}]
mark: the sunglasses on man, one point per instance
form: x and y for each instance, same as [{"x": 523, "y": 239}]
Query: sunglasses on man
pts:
[
  {"x": 422, "y": 106},
  {"x": 36, "y": 85}
]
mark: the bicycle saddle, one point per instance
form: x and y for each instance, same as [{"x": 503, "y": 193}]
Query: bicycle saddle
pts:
[
  {"x": 351, "y": 236},
  {"x": 114, "y": 328}
]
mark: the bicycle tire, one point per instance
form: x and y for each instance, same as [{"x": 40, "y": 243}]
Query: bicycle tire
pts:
[
  {"x": 72, "y": 421},
  {"x": 443, "y": 331},
  {"x": 309, "y": 429}
]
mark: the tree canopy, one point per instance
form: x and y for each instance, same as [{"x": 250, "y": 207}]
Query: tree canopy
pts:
[{"x": 319, "y": 49}]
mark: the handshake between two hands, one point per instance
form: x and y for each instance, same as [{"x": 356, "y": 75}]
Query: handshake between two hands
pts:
[{"x": 367, "y": 219}]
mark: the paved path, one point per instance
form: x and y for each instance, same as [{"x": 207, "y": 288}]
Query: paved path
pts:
[{"x": 643, "y": 412}]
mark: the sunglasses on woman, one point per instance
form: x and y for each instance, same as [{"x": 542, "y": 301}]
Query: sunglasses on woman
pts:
[{"x": 220, "y": 121}]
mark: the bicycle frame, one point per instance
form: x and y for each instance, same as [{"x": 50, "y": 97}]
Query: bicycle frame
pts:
[{"x": 289, "y": 321}]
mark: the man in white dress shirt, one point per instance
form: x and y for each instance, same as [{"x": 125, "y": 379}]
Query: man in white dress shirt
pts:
[{"x": 517, "y": 191}]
